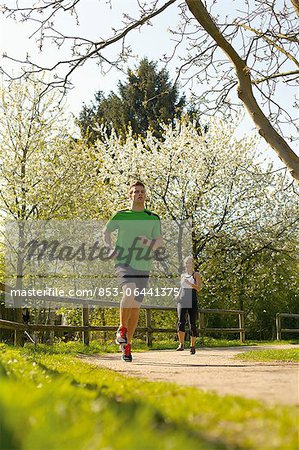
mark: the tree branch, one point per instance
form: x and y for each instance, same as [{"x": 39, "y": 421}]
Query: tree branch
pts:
[
  {"x": 97, "y": 47},
  {"x": 275, "y": 75},
  {"x": 270, "y": 42},
  {"x": 245, "y": 93},
  {"x": 296, "y": 6}
]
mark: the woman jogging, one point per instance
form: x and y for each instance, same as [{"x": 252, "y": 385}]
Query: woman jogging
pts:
[{"x": 191, "y": 283}]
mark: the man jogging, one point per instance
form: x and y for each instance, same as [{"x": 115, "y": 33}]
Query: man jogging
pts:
[{"x": 138, "y": 237}]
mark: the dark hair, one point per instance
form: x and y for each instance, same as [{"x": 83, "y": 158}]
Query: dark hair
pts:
[{"x": 136, "y": 183}]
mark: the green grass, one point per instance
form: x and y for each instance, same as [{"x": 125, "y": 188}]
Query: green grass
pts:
[
  {"x": 50, "y": 399},
  {"x": 284, "y": 342},
  {"x": 74, "y": 347},
  {"x": 286, "y": 355}
]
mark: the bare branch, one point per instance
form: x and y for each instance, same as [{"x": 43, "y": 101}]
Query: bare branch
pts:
[
  {"x": 94, "y": 49},
  {"x": 271, "y": 42},
  {"x": 276, "y": 75},
  {"x": 245, "y": 92}
]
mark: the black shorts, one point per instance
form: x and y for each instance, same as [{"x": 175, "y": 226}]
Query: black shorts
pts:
[{"x": 127, "y": 274}]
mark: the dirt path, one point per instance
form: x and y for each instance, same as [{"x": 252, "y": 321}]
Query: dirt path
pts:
[{"x": 213, "y": 369}]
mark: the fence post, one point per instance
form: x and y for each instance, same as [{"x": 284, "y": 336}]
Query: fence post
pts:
[
  {"x": 278, "y": 327},
  {"x": 85, "y": 323},
  {"x": 148, "y": 324},
  {"x": 242, "y": 327},
  {"x": 201, "y": 325}
]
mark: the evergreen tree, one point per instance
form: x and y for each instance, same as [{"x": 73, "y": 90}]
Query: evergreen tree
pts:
[{"x": 145, "y": 100}]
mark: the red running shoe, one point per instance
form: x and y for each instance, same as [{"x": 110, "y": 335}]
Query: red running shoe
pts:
[
  {"x": 121, "y": 335},
  {"x": 127, "y": 356}
]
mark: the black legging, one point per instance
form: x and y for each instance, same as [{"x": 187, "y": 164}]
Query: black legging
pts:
[{"x": 189, "y": 306}]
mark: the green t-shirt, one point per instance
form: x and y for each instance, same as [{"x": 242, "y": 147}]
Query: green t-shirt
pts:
[{"x": 129, "y": 226}]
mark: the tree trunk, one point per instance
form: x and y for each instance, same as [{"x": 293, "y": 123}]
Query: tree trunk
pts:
[
  {"x": 296, "y": 6},
  {"x": 245, "y": 93},
  {"x": 19, "y": 334}
]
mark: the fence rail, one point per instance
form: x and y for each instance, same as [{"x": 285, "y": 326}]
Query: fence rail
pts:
[
  {"x": 20, "y": 328},
  {"x": 85, "y": 328},
  {"x": 202, "y": 323},
  {"x": 280, "y": 330}
]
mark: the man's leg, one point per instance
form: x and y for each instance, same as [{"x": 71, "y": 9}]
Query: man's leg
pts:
[
  {"x": 129, "y": 310},
  {"x": 129, "y": 314},
  {"x": 132, "y": 324},
  {"x": 126, "y": 304},
  {"x": 137, "y": 290}
]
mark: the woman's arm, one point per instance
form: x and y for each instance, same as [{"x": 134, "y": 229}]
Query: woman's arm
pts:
[{"x": 198, "y": 282}]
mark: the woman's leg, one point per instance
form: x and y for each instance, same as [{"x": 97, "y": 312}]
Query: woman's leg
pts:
[
  {"x": 192, "y": 318},
  {"x": 181, "y": 336},
  {"x": 193, "y": 339},
  {"x": 181, "y": 326}
]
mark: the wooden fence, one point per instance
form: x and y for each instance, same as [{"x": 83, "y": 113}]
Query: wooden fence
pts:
[
  {"x": 280, "y": 330},
  {"x": 85, "y": 328},
  {"x": 241, "y": 329},
  {"x": 21, "y": 328}
]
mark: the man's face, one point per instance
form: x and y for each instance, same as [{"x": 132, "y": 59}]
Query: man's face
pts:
[{"x": 137, "y": 194}]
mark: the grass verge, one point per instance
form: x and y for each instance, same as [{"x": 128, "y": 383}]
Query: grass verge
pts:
[
  {"x": 53, "y": 400},
  {"x": 285, "y": 355},
  {"x": 75, "y": 347}
]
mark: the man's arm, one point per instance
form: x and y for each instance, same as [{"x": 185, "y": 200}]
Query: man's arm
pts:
[
  {"x": 107, "y": 238},
  {"x": 110, "y": 227},
  {"x": 159, "y": 242},
  {"x": 111, "y": 250},
  {"x": 153, "y": 243}
]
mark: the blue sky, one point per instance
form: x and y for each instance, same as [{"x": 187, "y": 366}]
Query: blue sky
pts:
[{"x": 14, "y": 40}]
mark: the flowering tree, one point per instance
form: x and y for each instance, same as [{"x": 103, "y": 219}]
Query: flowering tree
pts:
[
  {"x": 44, "y": 173},
  {"x": 210, "y": 176},
  {"x": 242, "y": 210}
]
